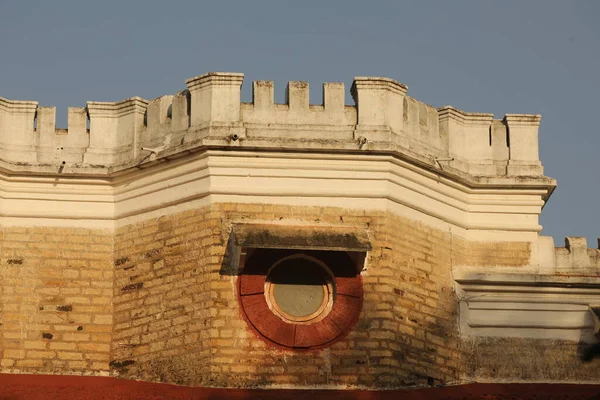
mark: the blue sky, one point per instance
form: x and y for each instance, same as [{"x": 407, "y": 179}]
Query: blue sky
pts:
[{"x": 482, "y": 56}]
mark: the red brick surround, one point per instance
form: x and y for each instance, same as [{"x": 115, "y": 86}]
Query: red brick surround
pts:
[{"x": 268, "y": 326}]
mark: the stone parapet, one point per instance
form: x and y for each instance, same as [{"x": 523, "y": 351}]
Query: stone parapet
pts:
[
  {"x": 574, "y": 258},
  {"x": 17, "y": 119},
  {"x": 209, "y": 114}
]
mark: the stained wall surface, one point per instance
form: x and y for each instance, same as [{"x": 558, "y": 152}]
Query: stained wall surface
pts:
[
  {"x": 158, "y": 302},
  {"x": 177, "y": 317}
]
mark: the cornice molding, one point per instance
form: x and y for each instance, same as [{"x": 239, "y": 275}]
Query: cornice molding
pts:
[
  {"x": 526, "y": 305},
  {"x": 274, "y": 178}
]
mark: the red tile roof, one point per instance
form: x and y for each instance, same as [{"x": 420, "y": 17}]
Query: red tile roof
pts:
[{"x": 50, "y": 387}]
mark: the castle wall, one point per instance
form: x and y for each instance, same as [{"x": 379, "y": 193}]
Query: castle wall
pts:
[
  {"x": 126, "y": 133},
  {"x": 117, "y": 258}
]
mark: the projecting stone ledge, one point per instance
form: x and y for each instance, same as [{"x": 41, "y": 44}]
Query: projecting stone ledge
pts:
[{"x": 527, "y": 305}]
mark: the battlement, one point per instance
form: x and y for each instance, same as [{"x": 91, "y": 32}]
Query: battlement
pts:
[
  {"x": 210, "y": 113},
  {"x": 573, "y": 259},
  {"x": 576, "y": 257}
]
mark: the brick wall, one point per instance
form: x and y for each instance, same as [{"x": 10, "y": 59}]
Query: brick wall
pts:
[
  {"x": 157, "y": 301},
  {"x": 163, "y": 299},
  {"x": 56, "y": 300},
  {"x": 537, "y": 360},
  {"x": 177, "y": 317},
  {"x": 409, "y": 289}
]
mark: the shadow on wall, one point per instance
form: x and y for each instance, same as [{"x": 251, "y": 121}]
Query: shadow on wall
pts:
[{"x": 531, "y": 360}]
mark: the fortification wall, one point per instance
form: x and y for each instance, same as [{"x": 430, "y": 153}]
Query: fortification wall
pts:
[
  {"x": 576, "y": 257},
  {"x": 157, "y": 294},
  {"x": 209, "y": 113}
]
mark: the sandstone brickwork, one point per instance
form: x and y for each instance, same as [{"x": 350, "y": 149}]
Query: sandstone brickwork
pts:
[
  {"x": 56, "y": 306},
  {"x": 177, "y": 317},
  {"x": 534, "y": 360},
  {"x": 163, "y": 298}
]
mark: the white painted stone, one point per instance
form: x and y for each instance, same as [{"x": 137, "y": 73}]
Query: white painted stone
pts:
[
  {"x": 114, "y": 130},
  {"x": 215, "y": 105},
  {"x": 523, "y": 136},
  {"x": 526, "y": 305},
  {"x": 210, "y": 114},
  {"x": 365, "y": 182},
  {"x": 17, "y": 119}
]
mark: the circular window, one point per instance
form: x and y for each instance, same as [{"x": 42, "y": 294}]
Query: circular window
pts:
[
  {"x": 300, "y": 299},
  {"x": 299, "y": 289}
]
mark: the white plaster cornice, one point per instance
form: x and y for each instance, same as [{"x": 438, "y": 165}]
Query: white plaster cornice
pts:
[{"x": 374, "y": 182}]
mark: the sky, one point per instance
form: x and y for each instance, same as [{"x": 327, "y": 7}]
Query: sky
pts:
[{"x": 510, "y": 56}]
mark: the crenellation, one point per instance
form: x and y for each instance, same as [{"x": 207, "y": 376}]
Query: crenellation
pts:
[
  {"x": 114, "y": 130},
  {"x": 576, "y": 257},
  {"x": 263, "y": 95},
  {"x": 149, "y": 257},
  {"x": 297, "y": 119},
  {"x": 61, "y": 145},
  {"x": 334, "y": 97},
  {"x": 17, "y": 125},
  {"x": 524, "y": 148},
  {"x": 158, "y": 123},
  {"x": 296, "y": 97},
  {"x": 180, "y": 111},
  {"x": 210, "y": 113}
]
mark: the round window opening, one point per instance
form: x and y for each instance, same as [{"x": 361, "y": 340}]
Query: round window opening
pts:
[
  {"x": 300, "y": 300},
  {"x": 299, "y": 289}
]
